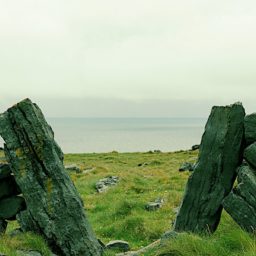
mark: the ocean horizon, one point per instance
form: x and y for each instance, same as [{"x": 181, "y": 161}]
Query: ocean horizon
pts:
[
  {"x": 98, "y": 135},
  {"x": 88, "y": 135}
]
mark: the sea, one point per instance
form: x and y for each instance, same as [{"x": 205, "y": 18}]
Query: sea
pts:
[{"x": 88, "y": 135}]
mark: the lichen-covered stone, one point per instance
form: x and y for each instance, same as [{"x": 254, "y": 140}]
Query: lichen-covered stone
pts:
[
  {"x": 52, "y": 200},
  {"x": 241, "y": 202},
  {"x": 250, "y": 128},
  {"x": 10, "y": 206},
  {"x": 215, "y": 172},
  {"x": 250, "y": 154}
]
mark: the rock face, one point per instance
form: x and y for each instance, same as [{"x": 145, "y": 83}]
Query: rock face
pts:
[
  {"x": 250, "y": 128},
  {"x": 53, "y": 203},
  {"x": 215, "y": 171},
  {"x": 241, "y": 202}
]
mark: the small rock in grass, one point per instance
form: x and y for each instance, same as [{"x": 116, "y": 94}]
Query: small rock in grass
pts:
[
  {"x": 103, "y": 184},
  {"x": 186, "y": 167},
  {"x": 153, "y": 206},
  {"x": 28, "y": 253},
  {"x": 195, "y": 147},
  {"x": 73, "y": 168},
  {"x": 119, "y": 245},
  {"x": 170, "y": 234}
]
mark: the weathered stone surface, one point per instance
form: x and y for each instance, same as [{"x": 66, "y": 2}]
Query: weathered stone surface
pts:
[
  {"x": 10, "y": 206},
  {"x": 5, "y": 171},
  {"x": 250, "y": 154},
  {"x": 186, "y": 167},
  {"x": 215, "y": 171},
  {"x": 3, "y": 226},
  {"x": 119, "y": 245},
  {"x": 8, "y": 187},
  {"x": 103, "y": 184},
  {"x": 52, "y": 200},
  {"x": 241, "y": 202},
  {"x": 250, "y": 128}
]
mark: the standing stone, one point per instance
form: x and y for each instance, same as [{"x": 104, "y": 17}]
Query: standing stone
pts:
[
  {"x": 241, "y": 202},
  {"x": 52, "y": 200},
  {"x": 215, "y": 171}
]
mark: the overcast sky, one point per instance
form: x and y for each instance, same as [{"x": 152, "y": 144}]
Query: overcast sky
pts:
[{"x": 128, "y": 58}]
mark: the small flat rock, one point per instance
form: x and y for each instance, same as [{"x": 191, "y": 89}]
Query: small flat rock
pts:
[
  {"x": 10, "y": 206},
  {"x": 153, "y": 206},
  {"x": 195, "y": 147},
  {"x": 186, "y": 167},
  {"x": 168, "y": 235},
  {"x": 28, "y": 253},
  {"x": 73, "y": 168},
  {"x": 119, "y": 245},
  {"x": 5, "y": 171},
  {"x": 103, "y": 184}
]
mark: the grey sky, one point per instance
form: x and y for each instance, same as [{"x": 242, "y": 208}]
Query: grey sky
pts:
[{"x": 128, "y": 58}]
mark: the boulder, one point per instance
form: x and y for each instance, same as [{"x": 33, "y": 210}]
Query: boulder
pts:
[
  {"x": 241, "y": 202},
  {"x": 215, "y": 171},
  {"x": 53, "y": 203},
  {"x": 250, "y": 154},
  {"x": 103, "y": 184},
  {"x": 250, "y": 128},
  {"x": 119, "y": 245},
  {"x": 10, "y": 206}
]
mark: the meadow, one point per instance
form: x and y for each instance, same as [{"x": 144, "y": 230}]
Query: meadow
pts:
[{"x": 120, "y": 214}]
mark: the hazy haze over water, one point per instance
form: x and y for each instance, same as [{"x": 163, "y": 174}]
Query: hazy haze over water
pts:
[{"x": 78, "y": 135}]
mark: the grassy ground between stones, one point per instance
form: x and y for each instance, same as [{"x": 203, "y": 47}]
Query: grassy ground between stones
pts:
[{"x": 119, "y": 213}]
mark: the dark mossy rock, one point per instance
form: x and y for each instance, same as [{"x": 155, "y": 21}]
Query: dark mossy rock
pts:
[
  {"x": 3, "y": 226},
  {"x": 118, "y": 245},
  {"x": 215, "y": 171},
  {"x": 250, "y": 154},
  {"x": 8, "y": 187},
  {"x": 250, "y": 128},
  {"x": 5, "y": 171},
  {"x": 241, "y": 202},
  {"x": 52, "y": 200},
  {"x": 186, "y": 167},
  {"x": 10, "y": 206}
]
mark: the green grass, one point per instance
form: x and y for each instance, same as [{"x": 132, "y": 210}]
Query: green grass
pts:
[{"x": 119, "y": 213}]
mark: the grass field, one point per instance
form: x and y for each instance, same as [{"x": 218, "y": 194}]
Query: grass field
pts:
[{"x": 119, "y": 213}]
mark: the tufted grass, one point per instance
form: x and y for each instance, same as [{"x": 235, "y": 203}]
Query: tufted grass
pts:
[{"x": 119, "y": 213}]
